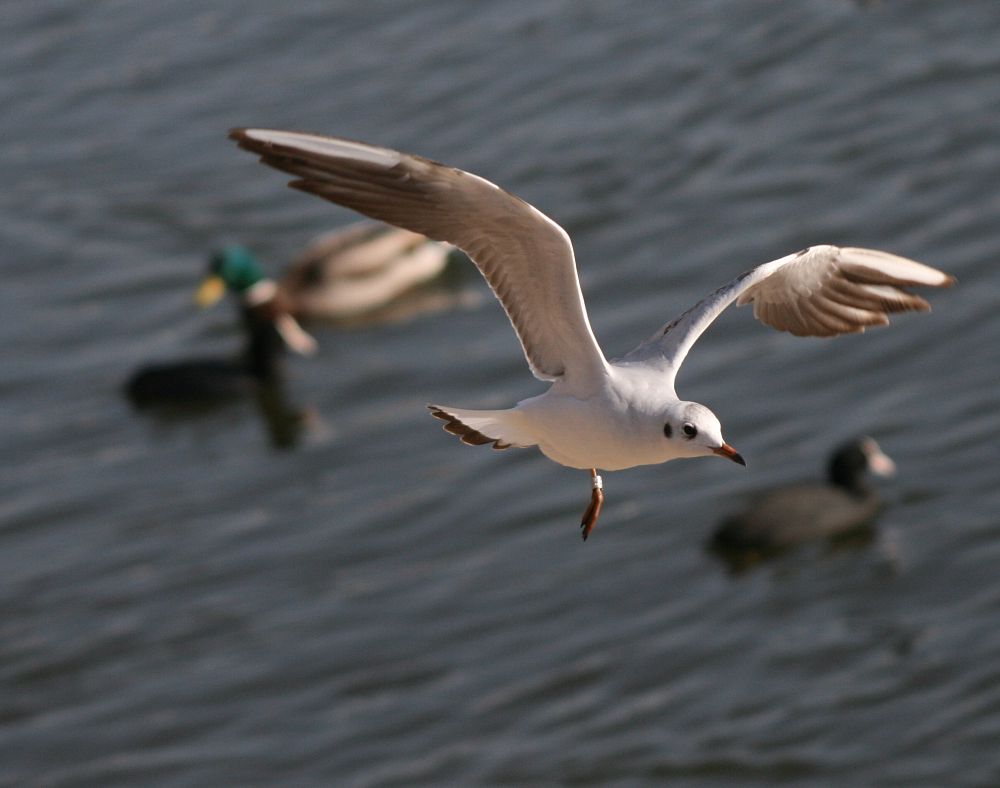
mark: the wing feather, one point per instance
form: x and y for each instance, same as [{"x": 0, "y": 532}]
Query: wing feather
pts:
[
  {"x": 527, "y": 258},
  {"x": 821, "y": 291}
]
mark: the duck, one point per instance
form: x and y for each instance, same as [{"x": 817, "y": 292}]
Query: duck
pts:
[
  {"x": 354, "y": 271},
  {"x": 235, "y": 269},
  {"x": 795, "y": 513},
  {"x": 204, "y": 382}
]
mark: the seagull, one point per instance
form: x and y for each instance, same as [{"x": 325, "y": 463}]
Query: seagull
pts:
[{"x": 597, "y": 414}]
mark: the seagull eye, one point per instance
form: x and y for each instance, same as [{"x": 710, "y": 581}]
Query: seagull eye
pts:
[
  {"x": 690, "y": 430},
  {"x": 668, "y": 430}
]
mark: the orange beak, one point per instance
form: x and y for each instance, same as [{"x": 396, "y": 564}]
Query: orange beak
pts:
[{"x": 727, "y": 451}]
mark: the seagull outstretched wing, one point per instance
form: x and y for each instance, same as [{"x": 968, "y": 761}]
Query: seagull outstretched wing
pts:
[
  {"x": 821, "y": 291},
  {"x": 525, "y": 256}
]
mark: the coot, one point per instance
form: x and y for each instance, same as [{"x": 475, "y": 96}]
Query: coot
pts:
[{"x": 795, "y": 513}]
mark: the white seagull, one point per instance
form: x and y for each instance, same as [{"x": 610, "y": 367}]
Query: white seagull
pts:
[{"x": 597, "y": 413}]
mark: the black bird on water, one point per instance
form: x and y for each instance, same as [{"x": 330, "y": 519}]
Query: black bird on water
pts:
[{"x": 795, "y": 513}]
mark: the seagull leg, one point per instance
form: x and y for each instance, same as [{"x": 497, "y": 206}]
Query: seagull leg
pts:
[{"x": 596, "y": 499}]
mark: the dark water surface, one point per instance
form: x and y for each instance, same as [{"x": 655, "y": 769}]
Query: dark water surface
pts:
[{"x": 185, "y": 605}]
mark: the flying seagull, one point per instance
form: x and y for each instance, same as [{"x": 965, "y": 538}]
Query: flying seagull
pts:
[{"x": 597, "y": 413}]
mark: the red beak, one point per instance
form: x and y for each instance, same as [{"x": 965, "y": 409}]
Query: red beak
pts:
[{"x": 727, "y": 451}]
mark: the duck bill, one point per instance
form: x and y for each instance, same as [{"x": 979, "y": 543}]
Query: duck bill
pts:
[
  {"x": 727, "y": 451},
  {"x": 210, "y": 291}
]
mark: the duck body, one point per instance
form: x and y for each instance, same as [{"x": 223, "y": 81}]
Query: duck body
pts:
[
  {"x": 349, "y": 272},
  {"x": 799, "y": 512}
]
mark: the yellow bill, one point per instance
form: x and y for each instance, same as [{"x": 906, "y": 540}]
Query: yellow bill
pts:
[{"x": 210, "y": 291}]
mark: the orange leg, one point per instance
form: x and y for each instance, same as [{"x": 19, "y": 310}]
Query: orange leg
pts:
[{"x": 596, "y": 499}]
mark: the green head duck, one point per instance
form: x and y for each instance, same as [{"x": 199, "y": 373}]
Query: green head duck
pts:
[{"x": 233, "y": 268}]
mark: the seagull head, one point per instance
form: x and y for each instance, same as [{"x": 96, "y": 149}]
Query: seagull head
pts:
[{"x": 694, "y": 431}]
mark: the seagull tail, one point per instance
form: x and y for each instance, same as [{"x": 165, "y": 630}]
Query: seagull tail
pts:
[{"x": 502, "y": 428}]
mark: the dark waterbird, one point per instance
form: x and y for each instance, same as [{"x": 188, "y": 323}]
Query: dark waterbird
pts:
[{"x": 788, "y": 515}]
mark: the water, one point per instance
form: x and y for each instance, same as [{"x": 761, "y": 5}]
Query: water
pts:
[{"x": 184, "y": 604}]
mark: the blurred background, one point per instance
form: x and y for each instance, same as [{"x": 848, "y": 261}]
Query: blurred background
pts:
[{"x": 184, "y": 603}]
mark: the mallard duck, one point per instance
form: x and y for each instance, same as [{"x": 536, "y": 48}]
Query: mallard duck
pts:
[
  {"x": 350, "y": 273},
  {"x": 353, "y": 271},
  {"x": 235, "y": 269},
  {"x": 798, "y": 512}
]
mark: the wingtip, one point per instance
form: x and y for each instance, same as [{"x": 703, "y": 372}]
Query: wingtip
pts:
[
  {"x": 241, "y": 136},
  {"x": 254, "y": 137},
  {"x": 945, "y": 281}
]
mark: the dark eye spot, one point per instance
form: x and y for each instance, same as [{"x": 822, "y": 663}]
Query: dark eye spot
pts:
[
  {"x": 667, "y": 430},
  {"x": 690, "y": 430}
]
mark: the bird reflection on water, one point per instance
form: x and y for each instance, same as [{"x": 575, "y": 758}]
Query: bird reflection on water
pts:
[
  {"x": 175, "y": 388},
  {"x": 362, "y": 275},
  {"x": 184, "y": 388}
]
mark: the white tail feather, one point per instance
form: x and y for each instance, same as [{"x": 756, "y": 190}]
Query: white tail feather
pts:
[{"x": 502, "y": 428}]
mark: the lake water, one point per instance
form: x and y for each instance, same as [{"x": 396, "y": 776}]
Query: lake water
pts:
[{"x": 184, "y": 604}]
